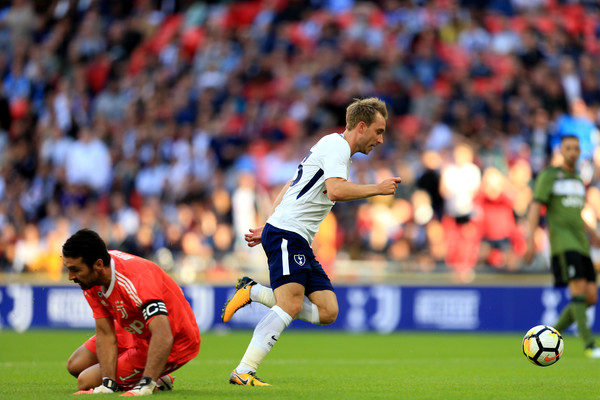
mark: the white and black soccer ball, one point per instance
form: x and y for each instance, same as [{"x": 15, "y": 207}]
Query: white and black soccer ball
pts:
[{"x": 543, "y": 345}]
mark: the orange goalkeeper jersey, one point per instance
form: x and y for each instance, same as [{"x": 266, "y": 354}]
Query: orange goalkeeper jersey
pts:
[{"x": 140, "y": 290}]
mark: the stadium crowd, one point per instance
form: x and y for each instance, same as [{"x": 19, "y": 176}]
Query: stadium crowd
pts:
[{"x": 168, "y": 126}]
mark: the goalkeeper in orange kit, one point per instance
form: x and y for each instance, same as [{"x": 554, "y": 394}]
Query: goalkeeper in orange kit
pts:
[{"x": 137, "y": 295}]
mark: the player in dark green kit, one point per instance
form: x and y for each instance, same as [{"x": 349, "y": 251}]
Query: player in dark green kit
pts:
[{"x": 562, "y": 191}]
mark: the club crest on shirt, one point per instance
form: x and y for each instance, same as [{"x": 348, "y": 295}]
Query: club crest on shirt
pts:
[
  {"x": 300, "y": 259},
  {"x": 121, "y": 308}
]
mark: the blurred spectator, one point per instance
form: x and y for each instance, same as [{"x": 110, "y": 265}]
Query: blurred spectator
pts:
[
  {"x": 55, "y": 148},
  {"x": 440, "y": 136},
  {"x": 459, "y": 183},
  {"x": 5, "y": 119},
  {"x": 429, "y": 181},
  {"x": 505, "y": 40},
  {"x": 244, "y": 207},
  {"x": 124, "y": 216},
  {"x": 474, "y": 38},
  {"x": 20, "y": 20},
  {"x": 497, "y": 221},
  {"x": 143, "y": 120},
  {"x": 88, "y": 162},
  {"x": 530, "y": 53},
  {"x": 151, "y": 179},
  {"x": 570, "y": 79},
  {"x": 110, "y": 103},
  {"x": 578, "y": 123},
  {"x": 27, "y": 249},
  {"x": 538, "y": 137}
]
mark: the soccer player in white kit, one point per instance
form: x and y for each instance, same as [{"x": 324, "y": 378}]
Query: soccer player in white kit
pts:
[{"x": 300, "y": 288}]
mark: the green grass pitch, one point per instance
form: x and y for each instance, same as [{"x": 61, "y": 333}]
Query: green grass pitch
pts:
[{"x": 327, "y": 365}]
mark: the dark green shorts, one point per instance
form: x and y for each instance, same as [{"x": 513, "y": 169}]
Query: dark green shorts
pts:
[{"x": 572, "y": 265}]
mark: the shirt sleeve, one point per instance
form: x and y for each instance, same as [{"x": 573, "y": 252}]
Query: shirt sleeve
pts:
[
  {"x": 149, "y": 289},
  {"x": 336, "y": 156},
  {"x": 543, "y": 187}
]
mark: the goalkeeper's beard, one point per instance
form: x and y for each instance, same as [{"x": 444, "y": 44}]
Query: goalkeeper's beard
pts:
[{"x": 83, "y": 286}]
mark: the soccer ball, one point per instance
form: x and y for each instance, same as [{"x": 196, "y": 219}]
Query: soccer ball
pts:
[{"x": 543, "y": 345}]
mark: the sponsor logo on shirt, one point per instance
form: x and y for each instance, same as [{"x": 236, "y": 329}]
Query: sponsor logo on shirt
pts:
[
  {"x": 568, "y": 187},
  {"x": 572, "y": 202}
]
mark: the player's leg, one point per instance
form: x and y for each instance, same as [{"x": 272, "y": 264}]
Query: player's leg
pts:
[
  {"x": 320, "y": 307},
  {"x": 591, "y": 293},
  {"x": 591, "y": 297},
  {"x": 562, "y": 276},
  {"x": 581, "y": 273},
  {"x": 289, "y": 297},
  {"x": 289, "y": 303},
  {"x": 288, "y": 256},
  {"x": 130, "y": 365},
  {"x": 578, "y": 270},
  {"x": 85, "y": 356},
  {"x": 248, "y": 290},
  {"x": 130, "y": 368},
  {"x": 577, "y": 287},
  {"x": 90, "y": 378},
  {"x": 323, "y": 301},
  {"x": 327, "y": 306},
  {"x": 82, "y": 358}
]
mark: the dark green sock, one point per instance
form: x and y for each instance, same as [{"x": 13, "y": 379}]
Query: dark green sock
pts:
[
  {"x": 579, "y": 306},
  {"x": 565, "y": 319}
]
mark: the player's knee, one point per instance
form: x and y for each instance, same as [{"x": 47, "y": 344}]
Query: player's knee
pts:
[
  {"x": 88, "y": 379},
  {"x": 73, "y": 367},
  {"x": 291, "y": 306},
  {"x": 294, "y": 309},
  {"x": 83, "y": 383},
  {"x": 328, "y": 315}
]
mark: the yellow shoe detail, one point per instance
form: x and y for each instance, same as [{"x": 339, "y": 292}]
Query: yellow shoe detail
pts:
[
  {"x": 240, "y": 299},
  {"x": 593, "y": 352},
  {"x": 246, "y": 379}
]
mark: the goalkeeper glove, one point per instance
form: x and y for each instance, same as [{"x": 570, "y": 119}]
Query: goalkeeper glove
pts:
[
  {"x": 145, "y": 386},
  {"x": 108, "y": 386}
]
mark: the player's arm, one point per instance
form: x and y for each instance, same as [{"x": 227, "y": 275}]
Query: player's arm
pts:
[
  {"x": 339, "y": 189},
  {"x": 159, "y": 347},
  {"x": 253, "y": 238},
  {"x": 161, "y": 340},
  {"x": 106, "y": 347},
  {"x": 533, "y": 220}
]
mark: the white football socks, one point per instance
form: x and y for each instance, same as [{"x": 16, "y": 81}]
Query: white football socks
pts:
[
  {"x": 309, "y": 312},
  {"x": 264, "y": 295},
  {"x": 264, "y": 338}
]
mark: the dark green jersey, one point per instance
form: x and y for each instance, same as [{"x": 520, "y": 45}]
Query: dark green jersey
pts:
[{"x": 563, "y": 193}]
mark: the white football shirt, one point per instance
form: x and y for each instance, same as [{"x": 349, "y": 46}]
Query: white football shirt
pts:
[{"x": 305, "y": 204}]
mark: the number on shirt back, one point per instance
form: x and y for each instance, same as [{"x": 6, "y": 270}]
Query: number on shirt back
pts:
[{"x": 310, "y": 183}]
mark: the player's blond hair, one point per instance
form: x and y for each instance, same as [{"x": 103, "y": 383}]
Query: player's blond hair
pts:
[{"x": 364, "y": 110}]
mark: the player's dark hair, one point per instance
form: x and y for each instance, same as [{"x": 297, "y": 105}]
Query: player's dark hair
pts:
[
  {"x": 568, "y": 136},
  {"x": 364, "y": 110},
  {"x": 88, "y": 245}
]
